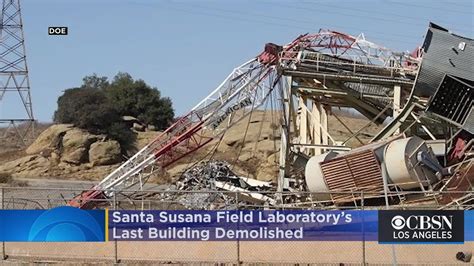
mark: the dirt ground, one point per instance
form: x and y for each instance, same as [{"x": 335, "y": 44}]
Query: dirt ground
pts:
[{"x": 251, "y": 252}]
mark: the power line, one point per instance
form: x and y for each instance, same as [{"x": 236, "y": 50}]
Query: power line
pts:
[
  {"x": 430, "y": 7},
  {"x": 307, "y": 22},
  {"x": 458, "y": 3},
  {"x": 286, "y": 25},
  {"x": 405, "y": 37},
  {"x": 280, "y": 18},
  {"x": 350, "y": 15},
  {"x": 378, "y": 12},
  {"x": 193, "y": 12},
  {"x": 344, "y": 14}
]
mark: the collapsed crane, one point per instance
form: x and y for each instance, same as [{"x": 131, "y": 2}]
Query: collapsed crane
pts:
[{"x": 244, "y": 90}]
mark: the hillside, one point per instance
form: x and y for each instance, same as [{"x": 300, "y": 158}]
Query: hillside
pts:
[{"x": 64, "y": 152}]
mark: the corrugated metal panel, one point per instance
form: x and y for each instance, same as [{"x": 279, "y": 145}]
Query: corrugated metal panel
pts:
[
  {"x": 355, "y": 171},
  {"x": 444, "y": 53},
  {"x": 469, "y": 123},
  {"x": 453, "y": 100}
]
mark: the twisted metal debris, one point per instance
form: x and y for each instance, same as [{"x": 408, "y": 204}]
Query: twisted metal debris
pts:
[{"x": 203, "y": 177}]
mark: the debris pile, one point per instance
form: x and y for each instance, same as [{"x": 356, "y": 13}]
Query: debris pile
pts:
[
  {"x": 215, "y": 175},
  {"x": 203, "y": 176}
]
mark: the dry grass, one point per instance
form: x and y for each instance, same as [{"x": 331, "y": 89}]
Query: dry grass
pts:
[
  {"x": 11, "y": 147},
  {"x": 7, "y": 179}
]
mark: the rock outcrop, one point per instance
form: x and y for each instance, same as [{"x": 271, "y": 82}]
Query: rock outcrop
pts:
[
  {"x": 49, "y": 140},
  {"x": 75, "y": 146},
  {"x": 105, "y": 153},
  {"x": 63, "y": 150},
  {"x": 31, "y": 165}
]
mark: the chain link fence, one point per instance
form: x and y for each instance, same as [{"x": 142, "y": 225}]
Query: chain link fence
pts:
[{"x": 231, "y": 252}]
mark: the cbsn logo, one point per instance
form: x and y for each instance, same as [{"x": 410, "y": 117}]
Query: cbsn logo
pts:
[
  {"x": 429, "y": 225},
  {"x": 421, "y": 226}
]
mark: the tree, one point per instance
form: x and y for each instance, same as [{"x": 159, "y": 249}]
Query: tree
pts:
[
  {"x": 90, "y": 109},
  {"x": 75, "y": 105},
  {"x": 95, "y": 82},
  {"x": 98, "y": 106},
  {"x": 136, "y": 98}
]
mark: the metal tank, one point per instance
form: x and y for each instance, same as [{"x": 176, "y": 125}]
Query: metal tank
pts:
[
  {"x": 403, "y": 165},
  {"x": 408, "y": 163},
  {"x": 314, "y": 176}
]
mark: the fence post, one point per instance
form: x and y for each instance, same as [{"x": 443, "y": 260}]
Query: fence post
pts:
[
  {"x": 4, "y": 255},
  {"x": 116, "y": 260},
  {"x": 363, "y": 227},
  {"x": 238, "y": 227}
]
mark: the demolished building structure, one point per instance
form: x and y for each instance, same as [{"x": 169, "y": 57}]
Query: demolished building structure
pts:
[{"x": 424, "y": 99}]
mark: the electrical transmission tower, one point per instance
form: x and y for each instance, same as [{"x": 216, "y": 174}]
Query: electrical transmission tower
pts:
[{"x": 16, "y": 112}]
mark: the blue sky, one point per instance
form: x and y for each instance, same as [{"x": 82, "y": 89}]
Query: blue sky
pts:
[{"x": 186, "y": 48}]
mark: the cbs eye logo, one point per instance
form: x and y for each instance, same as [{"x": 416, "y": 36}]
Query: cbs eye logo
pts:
[
  {"x": 398, "y": 222},
  {"x": 67, "y": 224}
]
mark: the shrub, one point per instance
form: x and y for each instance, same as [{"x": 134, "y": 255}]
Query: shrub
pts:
[{"x": 5, "y": 178}]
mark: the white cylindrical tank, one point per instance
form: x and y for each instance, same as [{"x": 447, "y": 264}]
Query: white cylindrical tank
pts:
[
  {"x": 314, "y": 175},
  {"x": 402, "y": 165}
]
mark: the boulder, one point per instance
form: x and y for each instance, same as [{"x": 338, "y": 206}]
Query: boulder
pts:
[
  {"x": 138, "y": 127},
  {"x": 264, "y": 146},
  {"x": 28, "y": 166},
  {"x": 104, "y": 153},
  {"x": 7, "y": 167},
  {"x": 75, "y": 146},
  {"x": 267, "y": 172},
  {"x": 49, "y": 139},
  {"x": 75, "y": 156},
  {"x": 129, "y": 118},
  {"x": 273, "y": 158},
  {"x": 151, "y": 128},
  {"x": 245, "y": 156},
  {"x": 144, "y": 138},
  {"x": 223, "y": 147},
  {"x": 54, "y": 158}
]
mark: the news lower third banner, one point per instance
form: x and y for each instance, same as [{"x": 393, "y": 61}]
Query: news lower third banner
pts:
[{"x": 68, "y": 224}]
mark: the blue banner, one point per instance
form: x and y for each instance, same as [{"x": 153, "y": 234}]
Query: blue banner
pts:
[{"x": 67, "y": 224}]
